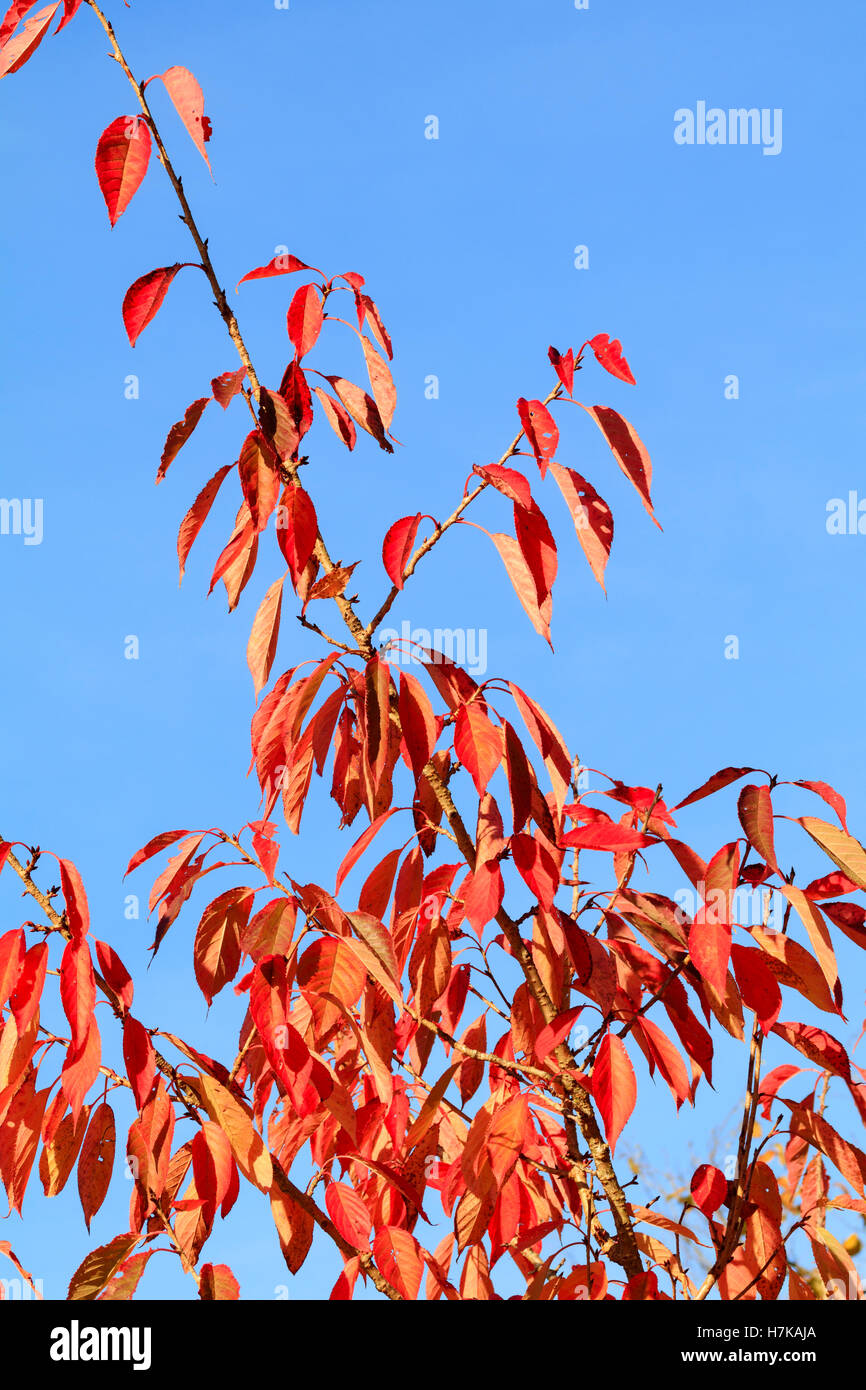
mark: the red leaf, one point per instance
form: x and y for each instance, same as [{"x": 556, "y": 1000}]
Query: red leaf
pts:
[
  {"x": 143, "y": 299},
  {"x": 547, "y": 739},
  {"x": 295, "y": 391},
  {"x": 139, "y": 1058},
  {"x": 538, "y": 549},
  {"x": 282, "y": 264},
  {"x": 606, "y": 836},
  {"x": 832, "y": 798},
  {"x": 77, "y": 988},
  {"x": 363, "y": 410},
  {"x": 817, "y": 929},
  {"x": 236, "y": 562},
  {"x": 349, "y": 1214},
  {"x": 218, "y": 1282},
  {"x": 217, "y": 949},
  {"x": 154, "y": 846},
  {"x": 96, "y": 1161},
  {"x": 227, "y": 386},
  {"x": 262, "y": 646},
  {"x": 710, "y": 949},
  {"x": 758, "y": 986},
  {"x": 122, "y": 157},
  {"x": 305, "y": 319},
  {"x": 820, "y": 1047},
  {"x": 614, "y": 1088},
  {"x": 338, "y": 417},
  {"x": 278, "y": 423},
  {"x": 537, "y": 867},
  {"x": 16, "y": 12},
  {"x": 297, "y": 529},
  {"x": 709, "y": 1188},
  {"x": 77, "y": 913},
  {"x": 259, "y": 479},
  {"x": 483, "y": 895},
  {"x": 661, "y": 1052},
  {"x": 197, "y": 516},
  {"x": 16, "y": 52},
  {"x": 188, "y": 99},
  {"x": 367, "y": 311},
  {"x": 28, "y": 991},
  {"x": 609, "y": 354},
  {"x": 113, "y": 969},
  {"x": 381, "y": 382},
  {"x": 418, "y": 723},
  {"x": 478, "y": 744},
  {"x": 563, "y": 365},
  {"x": 772, "y": 1083},
  {"x": 521, "y": 778},
  {"x": 818, "y": 1132},
  {"x": 507, "y": 481},
  {"x": 399, "y": 1259},
  {"x": 554, "y": 1033},
  {"x": 755, "y": 809},
  {"x": 214, "y": 1167},
  {"x": 628, "y": 451},
  {"x": 13, "y": 948},
  {"x": 715, "y": 784},
  {"x": 524, "y": 584},
  {"x": 593, "y": 519},
  {"x": 81, "y": 1069},
  {"x": 397, "y": 547},
  {"x": 540, "y": 429},
  {"x": 360, "y": 845},
  {"x": 70, "y": 9},
  {"x": 179, "y": 434}
]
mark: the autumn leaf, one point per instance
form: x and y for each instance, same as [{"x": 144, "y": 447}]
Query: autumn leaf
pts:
[
  {"x": 349, "y": 1214},
  {"x": 143, "y": 299},
  {"x": 122, "y": 157},
  {"x": 397, "y": 547},
  {"x": 614, "y": 1088},
  {"x": 188, "y": 100},
  {"x": 628, "y": 450},
  {"x": 305, "y": 318},
  {"x": 97, "y": 1268},
  {"x": 609, "y": 354},
  {"x": 478, "y": 744},
  {"x": 180, "y": 433},
  {"x": 709, "y": 1188},
  {"x": 262, "y": 646},
  {"x": 16, "y": 51},
  {"x": 592, "y": 517},
  {"x": 139, "y": 1059},
  {"x": 398, "y": 1256},
  {"x": 282, "y": 264},
  {"x": 96, "y": 1162},
  {"x": 540, "y": 429}
]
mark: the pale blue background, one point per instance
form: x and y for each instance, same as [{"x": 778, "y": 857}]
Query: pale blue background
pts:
[{"x": 556, "y": 130}]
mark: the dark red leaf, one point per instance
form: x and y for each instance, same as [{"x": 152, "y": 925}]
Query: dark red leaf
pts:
[{"x": 563, "y": 365}]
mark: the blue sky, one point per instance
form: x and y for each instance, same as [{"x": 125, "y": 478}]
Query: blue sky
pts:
[{"x": 556, "y": 130}]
